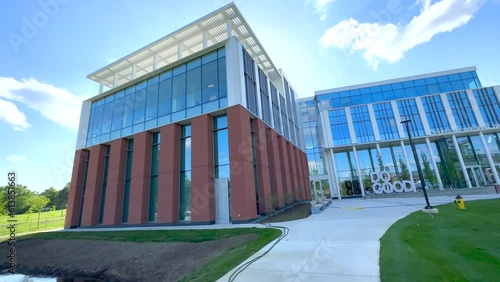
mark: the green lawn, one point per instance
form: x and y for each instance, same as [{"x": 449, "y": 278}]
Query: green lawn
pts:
[
  {"x": 456, "y": 245},
  {"x": 28, "y": 222},
  {"x": 211, "y": 271}
]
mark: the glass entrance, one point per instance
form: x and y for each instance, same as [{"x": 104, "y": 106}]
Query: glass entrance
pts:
[
  {"x": 476, "y": 176},
  {"x": 320, "y": 189}
]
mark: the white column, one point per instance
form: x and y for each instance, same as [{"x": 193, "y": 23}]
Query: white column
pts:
[
  {"x": 257, "y": 90},
  {"x": 325, "y": 126},
  {"x": 114, "y": 80},
  {"x": 132, "y": 75},
  {"x": 407, "y": 160},
  {"x": 449, "y": 113},
  {"x": 330, "y": 173},
  {"x": 497, "y": 91},
  {"x": 475, "y": 108},
  {"x": 490, "y": 159},
  {"x": 397, "y": 118},
  {"x": 423, "y": 116},
  {"x": 352, "y": 133},
  {"x": 373, "y": 120},
  {"x": 360, "y": 177},
  {"x": 461, "y": 160},
  {"x": 336, "y": 182},
  {"x": 436, "y": 171},
  {"x": 235, "y": 74},
  {"x": 101, "y": 87},
  {"x": 155, "y": 61},
  {"x": 179, "y": 51},
  {"x": 205, "y": 39},
  {"x": 229, "y": 29}
]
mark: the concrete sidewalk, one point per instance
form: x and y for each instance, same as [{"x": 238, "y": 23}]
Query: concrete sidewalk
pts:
[{"x": 340, "y": 244}]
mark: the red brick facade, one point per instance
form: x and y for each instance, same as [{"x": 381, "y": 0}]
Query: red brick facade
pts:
[{"x": 281, "y": 168}]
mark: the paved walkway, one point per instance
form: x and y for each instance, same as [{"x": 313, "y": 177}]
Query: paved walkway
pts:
[{"x": 340, "y": 244}]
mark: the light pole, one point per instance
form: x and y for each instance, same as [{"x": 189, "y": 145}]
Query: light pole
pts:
[{"x": 406, "y": 122}]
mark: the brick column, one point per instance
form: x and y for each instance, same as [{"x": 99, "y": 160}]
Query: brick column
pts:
[
  {"x": 264, "y": 176},
  {"x": 168, "y": 185},
  {"x": 300, "y": 178},
  {"x": 95, "y": 175},
  {"x": 285, "y": 168},
  {"x": 305, "y": 168},
  {"x": 113, "y": 206},
  {"x": 274, "y": 157},
  {"x": 141, "y": 176},
  {"x": 293, "y": 171},
  {"x": 243, "y": 202},
  {"x": 76, "y": 189},
  {"x": 202, "y": 165}
]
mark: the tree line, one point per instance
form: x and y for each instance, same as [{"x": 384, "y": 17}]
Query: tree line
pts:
[{"x": 30, "y": 201}]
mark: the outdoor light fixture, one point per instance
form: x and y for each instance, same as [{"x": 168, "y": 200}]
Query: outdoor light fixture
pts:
[{"x": 406, "y": 122}]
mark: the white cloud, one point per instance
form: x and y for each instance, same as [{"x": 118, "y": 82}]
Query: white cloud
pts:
[
  {"x": 389, "y": 42},
  {"x": 12, "y": 115},
  {"x": 16, "y": 158},
  {"x": 53, "y": 103},
  {"x": 321, "y": 7}
]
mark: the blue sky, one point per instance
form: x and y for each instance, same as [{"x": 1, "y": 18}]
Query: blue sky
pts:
[{"x": 48, "y": 47}]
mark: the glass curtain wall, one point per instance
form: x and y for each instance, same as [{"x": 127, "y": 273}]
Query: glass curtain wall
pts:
[
  {"x": 185, "y": 176},
  {"x": 347, "y": 176},
  {"x": 196, "y": 87}
]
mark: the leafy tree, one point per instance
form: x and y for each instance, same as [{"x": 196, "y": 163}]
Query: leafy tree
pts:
[
  {"x": 427, "y": 170},
  {"x": 23, "y": 194},
  {"x": 61, "y": 200},
  {"x": 3, "y": 203},
  {"x": 381, "y": 163},
  {"x": 52, "y": 194},
  {"x": 405, "y": 172},
  {"x": 37, "y": 203}
]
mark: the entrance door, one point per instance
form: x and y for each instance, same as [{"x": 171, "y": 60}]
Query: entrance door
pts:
[
  {"x": 221, "y": 201},
  {"x": 476, "y": 176}
]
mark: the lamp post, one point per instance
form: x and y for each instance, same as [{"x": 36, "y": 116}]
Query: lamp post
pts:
[{"x": 406, "y": 122}]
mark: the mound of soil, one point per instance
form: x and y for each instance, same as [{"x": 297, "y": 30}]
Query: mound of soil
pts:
[{"x": 117, "y": 261}]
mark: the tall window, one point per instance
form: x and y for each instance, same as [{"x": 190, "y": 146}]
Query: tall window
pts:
[
  {"x": 128, "y": 177},
  {"x": 408, "y": 110},
  {"x": 362, "y": 124},
  {"x": 264, "y": 97},
  {"x": 221, "y": 147},
  {"x": 104, "y": 184},
  {"x": 250, "y": 84},
  {"x": 255, "y": 173},
  {"x": 153, "y": 185},
  {"x": 385, "y": 121},
  {"x": 435, "y": 112},
  {"x": 276, "y": 109},
  {"x": 284, "y": 117},
  {"x": 185, "y": 179},
  {"x": 488, "y": 105},
  {"x": 339, "y": 127},
  {"x": 462, "y": 110},
  {"x": 84, "y": 187}
]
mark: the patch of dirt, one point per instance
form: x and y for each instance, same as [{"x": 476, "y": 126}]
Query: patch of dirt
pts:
[
  {"x": 117, "y": 261},
  {"x": 297, "y": 212}
]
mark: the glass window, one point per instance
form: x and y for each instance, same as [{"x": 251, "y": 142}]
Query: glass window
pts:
[
  {"x": 152, "y": 102},
  {"x": 386, "y": 122},
  {"x": 179, "y": 92},
  {"x": 461, "y": 108},
  {"x": 408, "y": 110},
  {"x": 185, "y": 174},
  {"x": 153, "y": 186},
  {"x": 436, "y": 114},
  {"x": 489, "y": 107},
  {"x": 362, "y": 124},
  {"x": 339, "y": 127}
]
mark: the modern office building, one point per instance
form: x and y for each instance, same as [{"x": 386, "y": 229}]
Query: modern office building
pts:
[
  {"x": 354, "y": 133},
  {"x": 197, "y": 127}
]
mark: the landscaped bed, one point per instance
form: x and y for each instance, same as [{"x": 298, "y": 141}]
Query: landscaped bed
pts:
[
  {"x": 456, "y": 245},
  {"x": 189, "y": 255}
]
